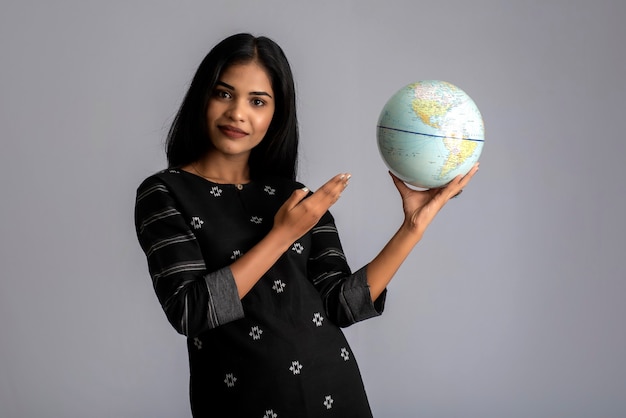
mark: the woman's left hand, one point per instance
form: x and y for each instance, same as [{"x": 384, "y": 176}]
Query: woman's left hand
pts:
[{"x": 421, "y": 206}]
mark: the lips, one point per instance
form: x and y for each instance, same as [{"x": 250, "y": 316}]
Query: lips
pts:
[{"x": 232, "y": 132}]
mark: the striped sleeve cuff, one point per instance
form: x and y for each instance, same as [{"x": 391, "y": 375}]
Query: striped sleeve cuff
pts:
[
  {"x": 358, "y": 299},
  {"x": 224, "y": 304}
]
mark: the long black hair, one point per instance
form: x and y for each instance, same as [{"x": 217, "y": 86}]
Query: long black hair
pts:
[{"x": 277, "y": 154}]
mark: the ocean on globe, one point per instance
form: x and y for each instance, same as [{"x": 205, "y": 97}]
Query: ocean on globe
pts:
[{"x": 429, "y": 132}]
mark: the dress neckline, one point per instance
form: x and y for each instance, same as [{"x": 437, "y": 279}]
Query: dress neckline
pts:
[{"x": 238, "y": 186}]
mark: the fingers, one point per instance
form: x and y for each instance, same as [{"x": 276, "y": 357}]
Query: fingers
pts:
[
  {"x": 340, "y": 180},
  {"x": 331, "y": 191},
  {"x": 466, "y": 178},
  {"x": 456, "y": 186},
  {"x": 325, "y": 196},
  {"x": 299, "y": 214},
  {"x": 400, "y": 185},
  {"x": 296, "y": 197}
]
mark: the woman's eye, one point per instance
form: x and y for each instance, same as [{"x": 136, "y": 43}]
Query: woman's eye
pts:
[
  {"x": 222, "y": 94},
  {"x": 258, "y": 102}
]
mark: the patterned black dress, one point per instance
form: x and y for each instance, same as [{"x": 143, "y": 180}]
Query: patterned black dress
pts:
[{"x": 279, "y": 351}]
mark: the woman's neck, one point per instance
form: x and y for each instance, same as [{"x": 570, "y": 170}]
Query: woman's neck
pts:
[{"x": 223, "y": 172}]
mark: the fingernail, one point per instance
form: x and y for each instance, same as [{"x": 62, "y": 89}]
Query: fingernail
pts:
[
  {"x": 341, "y": 177},
  {"x": 305, "y": 189},
  {"x": 349, "y": 176}
]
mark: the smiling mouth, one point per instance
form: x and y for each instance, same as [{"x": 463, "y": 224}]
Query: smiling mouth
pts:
[{"x": 232, "y": 132}]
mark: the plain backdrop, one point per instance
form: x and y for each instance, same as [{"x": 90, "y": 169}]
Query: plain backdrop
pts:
[{"x": 513, "y": 305}]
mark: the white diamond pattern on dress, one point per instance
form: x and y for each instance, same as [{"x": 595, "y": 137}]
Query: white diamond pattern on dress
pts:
[
  {"x": 255, "y": 333},
  {"x": 230, "y": 380},
  {"x": 196, "y": 222},
  {"x": 297, "y": 247},
  {"x": 279, "y": 286},
  {"x": 296, "y": 367},
  {"x": 328, "y": 402},
  {"x": 318, "y": 319}
]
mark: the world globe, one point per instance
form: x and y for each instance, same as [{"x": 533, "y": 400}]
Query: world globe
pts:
[{"x": 429, "y": 132}]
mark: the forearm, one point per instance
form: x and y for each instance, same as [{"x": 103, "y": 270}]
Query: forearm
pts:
[
  {"x": 249, "y": 268},
  {"x": 382, "y": 268},
  {"x": 420, "y": 207}
]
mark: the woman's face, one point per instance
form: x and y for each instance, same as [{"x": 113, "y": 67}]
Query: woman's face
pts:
[{"x": 240, "y": 109}]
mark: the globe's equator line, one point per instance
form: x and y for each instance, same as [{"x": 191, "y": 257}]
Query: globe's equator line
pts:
[{"x": 430, "y": 135}]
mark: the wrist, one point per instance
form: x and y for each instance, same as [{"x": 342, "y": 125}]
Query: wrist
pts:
[
  {"x": 410, "y": 230},
  {"x": 279, "y": 240}
]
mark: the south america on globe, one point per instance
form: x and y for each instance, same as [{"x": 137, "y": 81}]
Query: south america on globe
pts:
[{"x": 429, "y": 132}]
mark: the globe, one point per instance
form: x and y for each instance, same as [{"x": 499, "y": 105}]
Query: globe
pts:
[{"x": 429, "y": 132}]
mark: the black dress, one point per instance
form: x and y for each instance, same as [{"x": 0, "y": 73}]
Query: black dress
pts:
[{"x": 279, "y": 351}]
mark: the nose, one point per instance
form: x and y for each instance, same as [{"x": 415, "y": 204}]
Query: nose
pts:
[{"x": 235, "y": 110}]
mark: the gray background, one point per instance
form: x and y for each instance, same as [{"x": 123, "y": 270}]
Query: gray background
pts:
[{"x": 511, "y": 306}]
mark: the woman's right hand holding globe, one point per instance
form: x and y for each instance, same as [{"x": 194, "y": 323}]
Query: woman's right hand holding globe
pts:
[{"x": 421, "y": 206}]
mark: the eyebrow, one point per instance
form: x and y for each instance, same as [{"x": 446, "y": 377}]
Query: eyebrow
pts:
[{"x": 252, "y": 93}]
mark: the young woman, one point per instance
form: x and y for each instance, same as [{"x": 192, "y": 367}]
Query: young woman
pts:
[{"x": 246, "y": 262}]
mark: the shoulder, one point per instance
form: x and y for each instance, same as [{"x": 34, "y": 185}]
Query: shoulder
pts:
[
  {"x": 158, "y": 177},
  {"x": 159, "y": 189},
  {"x": 172, "y": 180}
]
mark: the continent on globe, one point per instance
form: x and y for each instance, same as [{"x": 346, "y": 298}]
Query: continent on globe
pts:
[{"x": 429, "y": 132}]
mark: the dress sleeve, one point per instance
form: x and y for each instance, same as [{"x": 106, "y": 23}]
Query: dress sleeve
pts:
[
  {"x": 194, "y": 300},
  {"x": 346, "y": 295}
]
